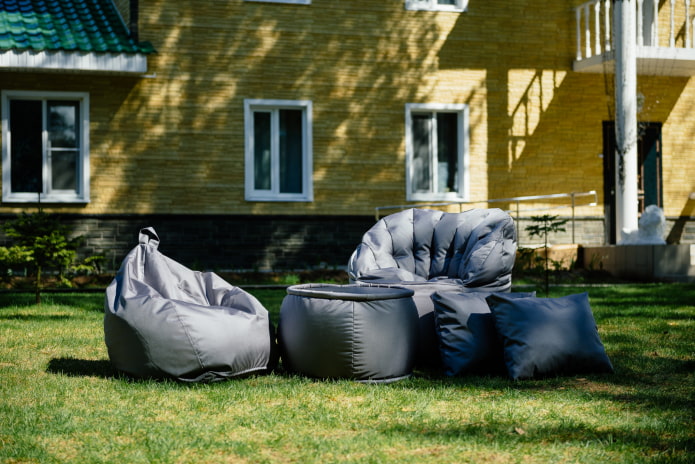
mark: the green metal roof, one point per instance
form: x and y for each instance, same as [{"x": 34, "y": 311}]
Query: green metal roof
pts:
[{"x": 65, "y": 25}]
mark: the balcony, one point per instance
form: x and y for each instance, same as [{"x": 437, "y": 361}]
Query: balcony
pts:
[{"x": 665, "y": 39}]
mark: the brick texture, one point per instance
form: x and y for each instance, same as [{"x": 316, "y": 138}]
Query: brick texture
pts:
[{"x": 170, "y": 145}]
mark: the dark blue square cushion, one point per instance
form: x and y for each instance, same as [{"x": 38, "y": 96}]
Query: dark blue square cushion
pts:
[
  {"x": 548, "y": 336},
  {"x": 468, "y": 342}
]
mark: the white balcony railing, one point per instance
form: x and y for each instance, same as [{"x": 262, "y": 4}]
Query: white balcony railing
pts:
[{"x": 664, "y": 36}]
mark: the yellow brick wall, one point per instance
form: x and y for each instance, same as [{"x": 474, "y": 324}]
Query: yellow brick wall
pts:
[{"x": 172, "y": 142}]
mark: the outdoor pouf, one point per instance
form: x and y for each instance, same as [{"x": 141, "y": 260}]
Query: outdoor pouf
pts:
[
  {"x": 163, "y": 320},
  {"x": 364, "y": 333}
]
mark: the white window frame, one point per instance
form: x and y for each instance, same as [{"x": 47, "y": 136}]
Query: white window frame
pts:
[
  {"x": 433, "y": 5},
  {"x": 462, "y": 150},
  {"x": 251, "y": 194},
  {"x": 296, "y": 2},
  {"x": 48, "y": 195}
]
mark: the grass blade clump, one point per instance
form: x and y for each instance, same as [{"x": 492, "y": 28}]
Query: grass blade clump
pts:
[{"x": 62, "y": 401}]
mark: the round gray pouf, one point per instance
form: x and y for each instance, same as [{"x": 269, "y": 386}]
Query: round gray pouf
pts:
[{"x": 360, "y": 332}]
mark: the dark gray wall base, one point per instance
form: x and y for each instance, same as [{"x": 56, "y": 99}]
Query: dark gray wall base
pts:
[
  {"x": 229, "y": 242},
  {"x": 278, "y": 243}
]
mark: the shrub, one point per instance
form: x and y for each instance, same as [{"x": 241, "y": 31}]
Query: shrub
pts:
[{"x": 42, "y": 244}]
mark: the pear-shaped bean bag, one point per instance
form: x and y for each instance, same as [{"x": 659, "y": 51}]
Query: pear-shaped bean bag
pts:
[{"x": 163, "y": 320}]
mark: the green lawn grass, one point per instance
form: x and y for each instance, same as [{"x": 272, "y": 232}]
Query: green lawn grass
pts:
[{"x": 60, "y": 400}]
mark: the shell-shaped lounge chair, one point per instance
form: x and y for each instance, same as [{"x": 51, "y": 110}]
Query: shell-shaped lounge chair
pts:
[{"x": 433, "y": 251}]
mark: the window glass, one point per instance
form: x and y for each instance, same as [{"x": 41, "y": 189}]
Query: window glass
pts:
[
  {"x": 447, "y": 152},
  {"x": 278, "y": 150},
  {"x": 422, "y": 157},
  {"x": 62, "y": 120},
  {"x": 436, "y": 151},
  {"x": 291, "y": 151},
  {"x": 62, "y": 135},
  {"x": 261, "y": 137},
  {"x": 26, "y": 156},
  {"x": 64, "y": 170},
  {"x": 48, "y": 152}
]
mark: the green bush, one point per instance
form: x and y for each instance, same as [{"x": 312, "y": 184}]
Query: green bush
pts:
[{"x": 42, "y": 244}]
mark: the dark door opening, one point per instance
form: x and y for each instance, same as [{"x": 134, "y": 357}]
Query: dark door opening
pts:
[{"x": 649, "y": 188}]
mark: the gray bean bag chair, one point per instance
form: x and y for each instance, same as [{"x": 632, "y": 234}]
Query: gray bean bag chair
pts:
[
  {"x": 432, "y": 251},
  {"x": 163, "y": 320}
]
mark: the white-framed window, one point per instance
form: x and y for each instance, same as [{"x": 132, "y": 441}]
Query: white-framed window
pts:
[
  {"x": 437, "y": 5},
  {"x": 436, "y": 145},
  {"x": 278, "y": 150},
  {"x": 296, "y": 2},
  {"x": 45, "y": 147}
]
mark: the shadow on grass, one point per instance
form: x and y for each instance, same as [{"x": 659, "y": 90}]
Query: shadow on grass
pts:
[
  {"x": 83, "y": 368},
  {"x": 672, "y": 449},
  {"x": 88, "y": 301},
  {"x": 637, "y": 297},
  {"x": 73, "y": 367},
  {"x": 34, "y": 317}
]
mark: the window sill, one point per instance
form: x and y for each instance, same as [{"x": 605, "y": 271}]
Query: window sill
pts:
[
  {"x": 435, "y": 198},
  {"x": 275, "y": 198},
  {"x": 418, "y": 6},
  {"x": 291, "y": 2},
  {"x": 443, "y": 10},
  {"x": 25, "y": 199}
]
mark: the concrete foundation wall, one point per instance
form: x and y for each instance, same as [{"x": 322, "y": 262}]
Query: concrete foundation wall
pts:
[
  {"x": 644, "y": 262},
  {"x": 211, "y": 242},
  {"x": 273, "y": 242},
  {"x": 590, "y": 231}
]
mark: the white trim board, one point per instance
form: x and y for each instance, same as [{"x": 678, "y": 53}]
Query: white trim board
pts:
[{"x": 73, "y": 61}]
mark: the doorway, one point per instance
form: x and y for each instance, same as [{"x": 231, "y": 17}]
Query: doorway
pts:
[{"x": 649, "y": 187}]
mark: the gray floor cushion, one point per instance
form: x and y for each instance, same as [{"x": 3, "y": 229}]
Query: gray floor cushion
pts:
[
  {"x": 548, "y": 336},
  {"x": 465, "y": 327}
]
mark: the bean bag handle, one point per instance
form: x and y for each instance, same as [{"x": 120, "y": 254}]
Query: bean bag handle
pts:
[{"x": 148, "y": 235}]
